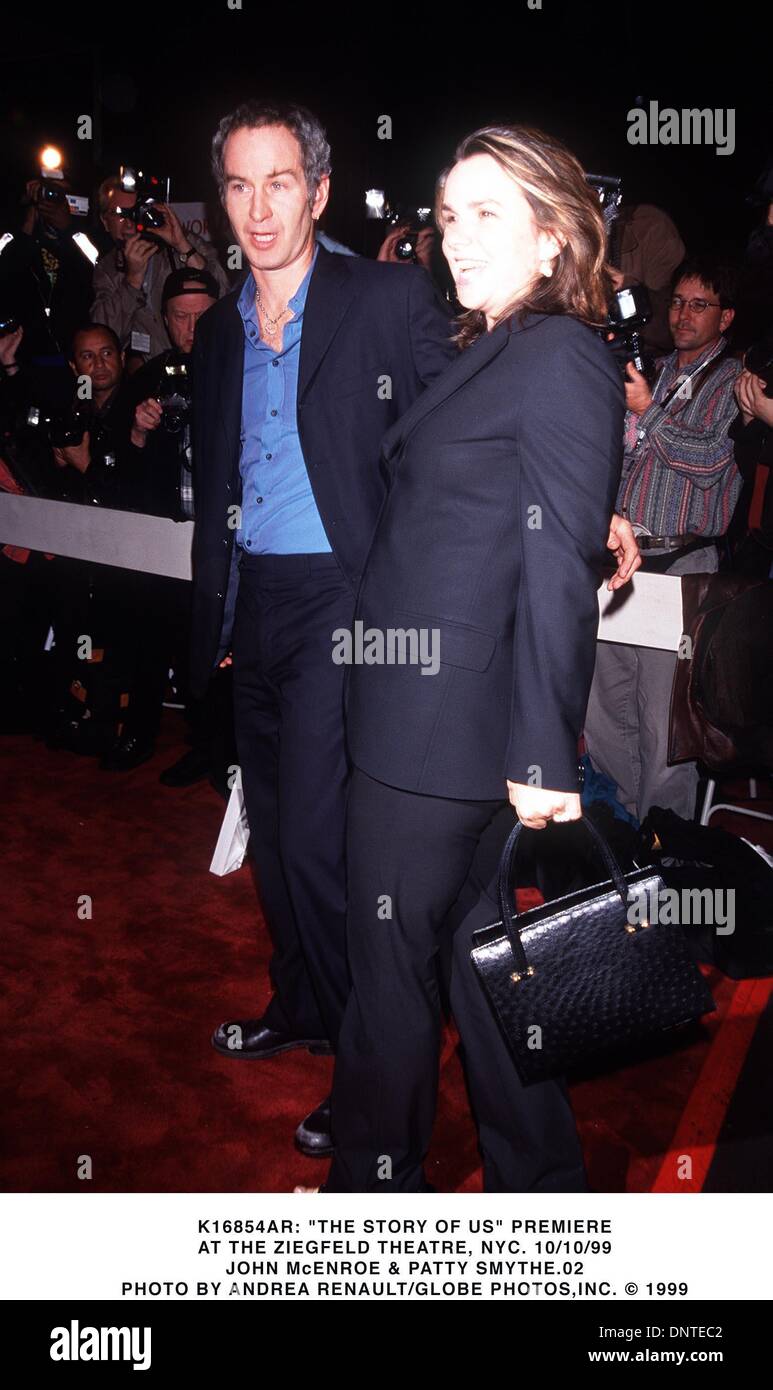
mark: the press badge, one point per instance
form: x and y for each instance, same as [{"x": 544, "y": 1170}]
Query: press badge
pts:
[{"x": 140, "y": 342}]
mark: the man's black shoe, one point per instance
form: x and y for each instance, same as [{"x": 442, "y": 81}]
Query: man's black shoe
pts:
[
  {"x": 192, "y": 767},
  {"x": 127, "y": 753},
  {"x": 313, "y": 1134},
  {"x": 249, "y": 1040}
]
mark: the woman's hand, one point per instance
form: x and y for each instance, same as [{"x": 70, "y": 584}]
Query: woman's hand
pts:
[{"x": 535, "y": 806}]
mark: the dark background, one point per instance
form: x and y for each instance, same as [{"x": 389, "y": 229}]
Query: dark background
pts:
[{"x": 156, "y": 80}]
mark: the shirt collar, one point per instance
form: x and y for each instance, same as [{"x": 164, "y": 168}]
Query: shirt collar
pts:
[
  {"x": 246, "y": 300},
  {"x": 711, "y": 350}
]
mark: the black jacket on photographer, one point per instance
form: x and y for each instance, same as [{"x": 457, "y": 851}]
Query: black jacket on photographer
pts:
[
  {"x": 45, "y": 283},
  {"x": 109, "y": 480},
  {"x": 161, "y": 471}
]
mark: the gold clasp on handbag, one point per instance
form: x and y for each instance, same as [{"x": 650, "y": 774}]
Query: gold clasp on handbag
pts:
[
  {"x": 633, "y": 927},
  {"x": 519, "y": 974}
]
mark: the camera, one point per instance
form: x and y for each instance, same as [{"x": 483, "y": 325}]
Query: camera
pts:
[
  {"x": 49, "y": 195},
  {"x": 174, "y": 393},
  {"x": 150, "y": 190},
  {"x": 61, "y": 428},
  {"x": 630, "y": 308},
  {"x": 759, "y": 361},
  {"x": 416, "y": 218},
  {"x": 378, "y": 208},
  {"x": 629, "y": 311}
]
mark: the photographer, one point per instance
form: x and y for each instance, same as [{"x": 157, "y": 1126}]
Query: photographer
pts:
[
  {"x": 45, "y": 278},
  {"x": 129, "y": 279},
  {"x": 154, "y": 611},
  {"x": 37, "y": 410},
  {"x": 97, "y": 355},
  {"x": 160, "y": 433},
  {"x": 678, "y": 489},
  {"x": 646, "y": 250}
]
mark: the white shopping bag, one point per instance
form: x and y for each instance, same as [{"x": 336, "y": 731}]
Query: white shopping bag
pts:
[{"x": 231, "y": 846}]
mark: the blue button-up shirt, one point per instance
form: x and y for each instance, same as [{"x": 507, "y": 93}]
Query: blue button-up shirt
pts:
[{"x": 279, "y": 513}]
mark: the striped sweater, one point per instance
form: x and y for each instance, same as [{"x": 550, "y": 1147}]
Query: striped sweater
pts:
[{"x": 679, "y": 474}]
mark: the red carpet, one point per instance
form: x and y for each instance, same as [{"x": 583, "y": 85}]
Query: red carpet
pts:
[{"x": 107, "y": 1017}]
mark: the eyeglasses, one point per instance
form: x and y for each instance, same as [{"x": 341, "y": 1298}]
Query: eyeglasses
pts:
[{"x": 696, "y": 306}]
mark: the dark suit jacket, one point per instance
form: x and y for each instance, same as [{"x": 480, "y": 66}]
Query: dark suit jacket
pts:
[
  {"x": 504, "y": 480},
  {"x": 364, "y": 321}
]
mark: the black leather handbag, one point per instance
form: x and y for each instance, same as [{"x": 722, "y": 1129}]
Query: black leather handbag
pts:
[{"x": 587, "y": 973}]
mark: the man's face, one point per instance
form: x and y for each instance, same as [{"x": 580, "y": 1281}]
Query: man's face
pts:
[
  {"x": 116, "y": 225},
  {"x": 182, "y": 314},
  {"x": 693, "y": 331},
  {"x": 266, "y": 197},
  {"x": 96, "y": 356}
]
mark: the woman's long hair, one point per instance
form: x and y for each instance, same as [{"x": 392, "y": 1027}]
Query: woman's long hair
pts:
[{"x": 553, "y": 183}]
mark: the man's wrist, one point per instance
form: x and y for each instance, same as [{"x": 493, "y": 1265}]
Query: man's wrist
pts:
[{"x": 186, "y": 256}]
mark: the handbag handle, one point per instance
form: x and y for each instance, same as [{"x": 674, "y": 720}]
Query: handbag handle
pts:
[{"x": 506, "y": 863}]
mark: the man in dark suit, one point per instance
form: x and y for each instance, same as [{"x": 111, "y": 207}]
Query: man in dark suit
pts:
[{"x": 297, "y": 375}]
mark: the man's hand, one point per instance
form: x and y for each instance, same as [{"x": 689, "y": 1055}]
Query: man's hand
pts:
[
  {"x": 424, "y": 243},
  {"x": 637, "y": 392},
  {"x": 30, "y": 204},
  {"x": 535, "y": 806},
  {"x": 173, "y": 233},
  {"x": 78, "y": 455},
  {"x": 9, "y": 345},
  {"x": 137, "y": 252},
  {"x": 172, "y": 230},
  {"x": 147, "y": 417},
  {"x": 753, "y": 403},
  {"x": 625, "y": 548},
  {"x": 616, "y": 276},
  {"x": 227, "y": 661}
]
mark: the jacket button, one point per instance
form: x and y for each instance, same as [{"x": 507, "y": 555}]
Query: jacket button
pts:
[{"x": 219, "y": 594}]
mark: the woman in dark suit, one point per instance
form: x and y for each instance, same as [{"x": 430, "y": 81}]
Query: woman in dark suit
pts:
[{"x": 484, "y": 569}]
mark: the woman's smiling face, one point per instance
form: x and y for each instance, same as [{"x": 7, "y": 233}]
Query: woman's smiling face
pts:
[{"x": 491, "y": 241}]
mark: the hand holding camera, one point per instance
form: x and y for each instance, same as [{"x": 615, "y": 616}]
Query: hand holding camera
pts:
[
  {"x": 77, "y": 455},
  {"x": 171, "y": 229},
  {"x": 137, "y": 252},
  {"x": 147, "y": 417},
  {"x": 637, "y": 390},
  {"x": 752, "y": 400},
  {"x": 11, "y": 334}
]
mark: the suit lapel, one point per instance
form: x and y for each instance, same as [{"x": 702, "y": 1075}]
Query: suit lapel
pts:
[
  {"x": 329, "y": 297},
  {"x": 470, "y": 361},
  {"x": 231, "y": 380}
]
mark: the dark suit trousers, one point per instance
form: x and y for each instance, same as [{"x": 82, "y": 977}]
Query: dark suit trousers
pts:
[
  {"x": 410, "y": 859},
  {"x": 288, "y": 709}
]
